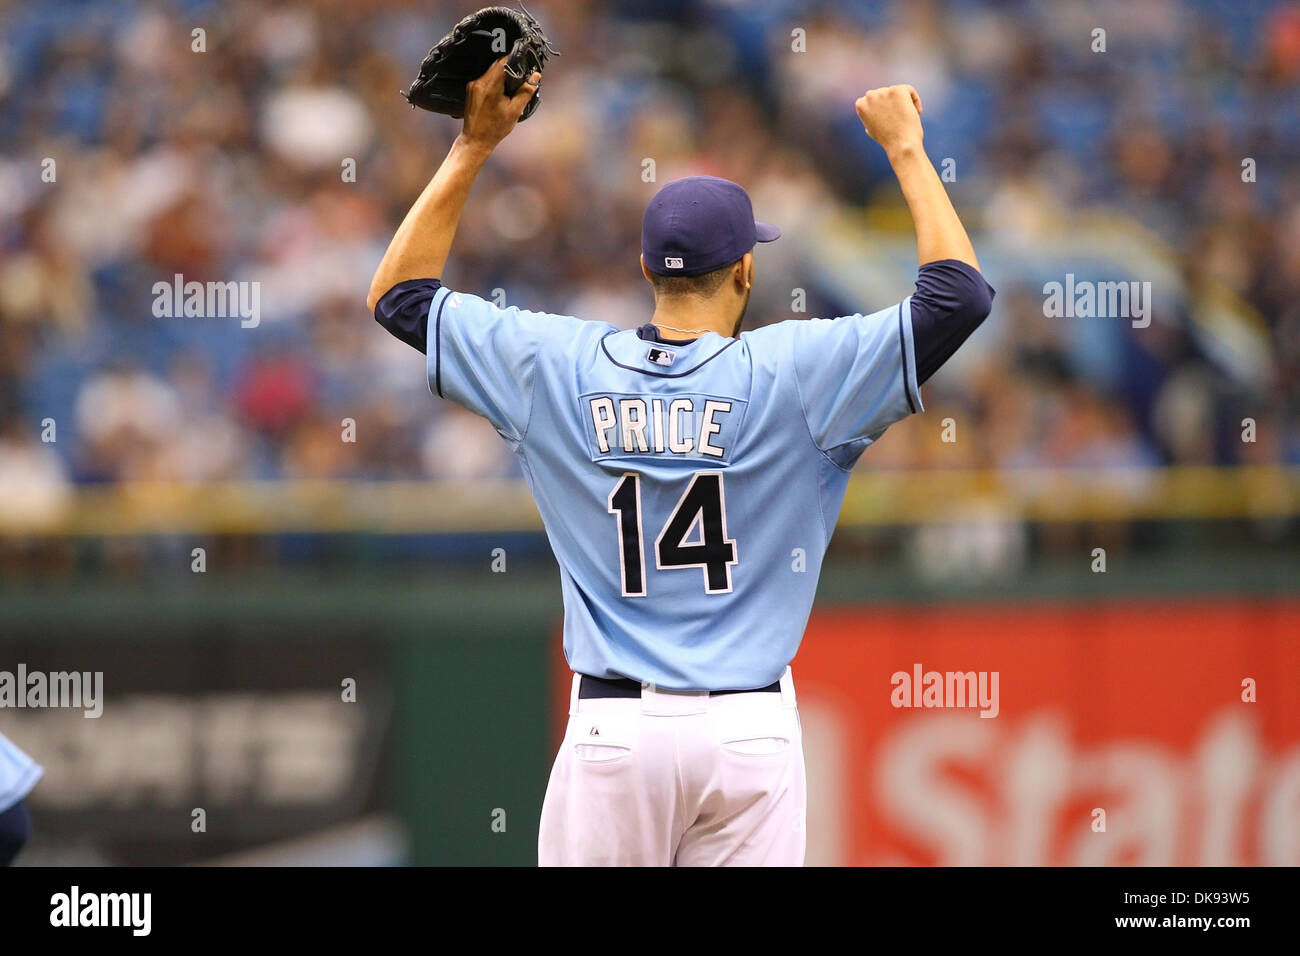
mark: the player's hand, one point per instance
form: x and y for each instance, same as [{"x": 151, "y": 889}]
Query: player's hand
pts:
[
  {"x": 490, "y": 115},
  {"x": 892, "y": 117}
]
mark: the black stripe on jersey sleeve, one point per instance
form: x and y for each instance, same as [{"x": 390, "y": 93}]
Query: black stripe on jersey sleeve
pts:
[{"x": 902, "y": 346}]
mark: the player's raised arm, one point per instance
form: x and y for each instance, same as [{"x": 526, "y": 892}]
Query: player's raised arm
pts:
[
  {"x": 951, "y": 298},
  {"x": 422, "y": 243},
  {"x": 892, "y": 117}
]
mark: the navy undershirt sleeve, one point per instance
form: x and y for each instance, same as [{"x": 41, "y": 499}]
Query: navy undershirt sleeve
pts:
[
  {"x": 404, "y": 311},
  {"x": 950, "y": 302}
]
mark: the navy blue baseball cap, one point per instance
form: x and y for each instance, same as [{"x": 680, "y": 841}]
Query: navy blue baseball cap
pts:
[{"x": 698, "y": 224}]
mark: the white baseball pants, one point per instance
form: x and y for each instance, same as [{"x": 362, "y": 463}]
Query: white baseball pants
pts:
[{"x": 677, "y": 778}]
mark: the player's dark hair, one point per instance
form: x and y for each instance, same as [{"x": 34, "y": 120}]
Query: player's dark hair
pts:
[{"x": 701, "y": 285}]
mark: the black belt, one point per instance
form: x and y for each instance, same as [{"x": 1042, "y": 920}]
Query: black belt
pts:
[{"x": 593, "y": 687}]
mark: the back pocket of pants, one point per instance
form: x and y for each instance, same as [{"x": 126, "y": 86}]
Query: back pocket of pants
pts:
[
  {"x": 764, "y": 733},
  {"x": 602, "y": 738}
]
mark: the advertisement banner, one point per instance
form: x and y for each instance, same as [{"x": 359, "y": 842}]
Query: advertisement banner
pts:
[
  {"x": 1124, "y": 733},
  {"x": 197, "y": 747}
]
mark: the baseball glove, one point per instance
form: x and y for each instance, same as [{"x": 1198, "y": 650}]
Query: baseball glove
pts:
[{"x": 475, "y": 43}]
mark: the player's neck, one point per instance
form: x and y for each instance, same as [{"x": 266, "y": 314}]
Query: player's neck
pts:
[{"x": 686, "y": 320}]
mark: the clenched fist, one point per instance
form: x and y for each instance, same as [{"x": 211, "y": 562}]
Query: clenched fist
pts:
[{"x": 892, "y": 117}]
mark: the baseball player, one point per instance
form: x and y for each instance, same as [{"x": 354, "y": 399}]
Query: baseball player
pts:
[
  {"x": 18, "y": 774},
  {"x": 677, "y": 467}
]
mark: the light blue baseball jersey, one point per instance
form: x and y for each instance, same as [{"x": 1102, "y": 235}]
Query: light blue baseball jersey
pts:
[
  {"x": 18, "y": 773},
  {"x": 689, "y": 491}
]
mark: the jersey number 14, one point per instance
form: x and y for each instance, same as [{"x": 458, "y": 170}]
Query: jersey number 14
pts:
[{"x": 702, "y": 505}]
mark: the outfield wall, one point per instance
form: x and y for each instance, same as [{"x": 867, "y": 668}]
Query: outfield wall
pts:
[{"x": 227, "y": 693}]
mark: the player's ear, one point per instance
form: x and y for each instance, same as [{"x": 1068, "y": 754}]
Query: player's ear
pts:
[
  {"x": 745, "y": 272},
  {"x": 646, "y": 272}
]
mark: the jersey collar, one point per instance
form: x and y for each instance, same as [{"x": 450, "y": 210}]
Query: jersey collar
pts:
[{"x": 637, "y": 351}]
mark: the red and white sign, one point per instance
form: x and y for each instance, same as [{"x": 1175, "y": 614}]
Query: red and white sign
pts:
[{"x": 1131, "y": 709}]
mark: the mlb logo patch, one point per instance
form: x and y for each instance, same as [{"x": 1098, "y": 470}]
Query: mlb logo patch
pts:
[
  {"x": 672, "y": 262},
  {"x": 661, "y": 356}
]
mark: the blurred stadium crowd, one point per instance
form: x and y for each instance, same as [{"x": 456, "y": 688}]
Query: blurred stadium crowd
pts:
[{"x": 232, "y": 165}]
